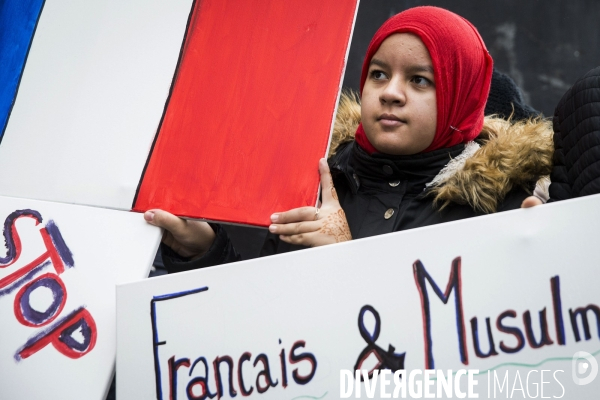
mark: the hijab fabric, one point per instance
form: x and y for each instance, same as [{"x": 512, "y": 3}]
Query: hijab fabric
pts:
[{"x": 462, "y": 70}]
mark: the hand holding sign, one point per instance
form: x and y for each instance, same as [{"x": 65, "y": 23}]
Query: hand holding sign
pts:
[
  {"x": 186, "y": 237},
  {"x": 310, "y": 226}
]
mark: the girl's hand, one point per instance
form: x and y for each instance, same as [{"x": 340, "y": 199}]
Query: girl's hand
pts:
[
  {"x": 311, "y": 226},
  {"x": 186, "y": 237}
]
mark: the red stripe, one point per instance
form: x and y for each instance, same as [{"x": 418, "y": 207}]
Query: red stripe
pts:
[{"x": 251, "y": 109}]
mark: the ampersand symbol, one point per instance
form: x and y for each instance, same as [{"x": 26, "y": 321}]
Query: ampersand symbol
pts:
[{"x": 387, "y": 359}]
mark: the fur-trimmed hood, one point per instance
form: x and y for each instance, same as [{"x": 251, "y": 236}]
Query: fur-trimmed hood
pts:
[{"x": 505, "y": 155}]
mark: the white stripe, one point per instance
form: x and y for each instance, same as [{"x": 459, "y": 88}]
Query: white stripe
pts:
[{"x": 90, "y": 100}]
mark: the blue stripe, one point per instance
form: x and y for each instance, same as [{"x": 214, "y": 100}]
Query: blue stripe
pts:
[{"x": 18, "y": 20}]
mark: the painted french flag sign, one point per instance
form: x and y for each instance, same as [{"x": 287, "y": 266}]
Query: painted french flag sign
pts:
[{"x": 209, "y": 109}]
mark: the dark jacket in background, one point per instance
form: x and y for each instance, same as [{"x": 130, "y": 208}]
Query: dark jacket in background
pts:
[{"x": 576, "y": 124}]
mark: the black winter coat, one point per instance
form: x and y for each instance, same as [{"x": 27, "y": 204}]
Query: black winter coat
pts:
[
  {"x": 576, "y": 124},
  {"x": 382, "y": 194}
]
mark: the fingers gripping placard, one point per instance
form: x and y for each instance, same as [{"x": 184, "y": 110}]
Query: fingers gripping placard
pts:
[{"x": 73, "y": 333}]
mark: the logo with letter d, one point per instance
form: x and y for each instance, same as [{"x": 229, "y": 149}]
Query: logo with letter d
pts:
[{"x": 584, "y": 363}]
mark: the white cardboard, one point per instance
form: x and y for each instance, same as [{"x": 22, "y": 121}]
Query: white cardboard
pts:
[
  {"x": 90, "y": 100},
  {"x": 107, "y": 247},
  {"x": 266, "y": 305}
]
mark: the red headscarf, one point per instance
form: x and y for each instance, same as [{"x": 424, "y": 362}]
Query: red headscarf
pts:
[{"x": 462, "y": 70}]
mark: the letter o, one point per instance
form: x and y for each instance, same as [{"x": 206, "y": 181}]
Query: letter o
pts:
[{"x": 26, "y": 314}]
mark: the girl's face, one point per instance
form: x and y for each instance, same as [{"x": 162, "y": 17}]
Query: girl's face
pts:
[{"x": 398, "y": 107}]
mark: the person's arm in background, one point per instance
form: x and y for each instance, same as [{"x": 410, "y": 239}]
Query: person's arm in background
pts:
[{"x": 531, "y": 201}]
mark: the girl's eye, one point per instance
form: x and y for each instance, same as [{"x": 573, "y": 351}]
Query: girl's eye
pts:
[
  {"x": 421, "y": 81},
  {"x": 378, "y": 75}
]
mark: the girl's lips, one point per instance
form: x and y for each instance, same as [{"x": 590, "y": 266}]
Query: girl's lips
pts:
[{"x": 390, "y": 120}]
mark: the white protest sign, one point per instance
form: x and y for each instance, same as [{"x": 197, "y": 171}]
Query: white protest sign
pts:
[
  {"x": 90, "y": 100},
  {"x": 57, "y": 295},
  {"x": 521, "y": 300}
]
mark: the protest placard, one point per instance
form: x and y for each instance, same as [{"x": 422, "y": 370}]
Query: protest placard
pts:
[
  {"x": 511, "y": 298},
  {"x": 57, "y": 295}
]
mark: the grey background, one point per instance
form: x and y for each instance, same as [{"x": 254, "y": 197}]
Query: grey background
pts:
[{"x": 543, "y": 45}]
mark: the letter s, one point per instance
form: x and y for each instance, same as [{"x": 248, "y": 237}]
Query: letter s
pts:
[{"x": 294, "y": 359}]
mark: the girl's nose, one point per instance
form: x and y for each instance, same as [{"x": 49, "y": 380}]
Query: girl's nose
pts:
[{"x": 394, "y": 93}]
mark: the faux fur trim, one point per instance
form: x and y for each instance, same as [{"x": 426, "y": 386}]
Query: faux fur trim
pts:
[
  {"x": 454, "y": 165},
  {"x": 512, "y": 154},
  {"x": 346, "y": 120}
]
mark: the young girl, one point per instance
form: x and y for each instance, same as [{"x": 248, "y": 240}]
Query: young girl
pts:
[{"x": 415, "y": 152}]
